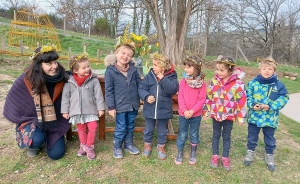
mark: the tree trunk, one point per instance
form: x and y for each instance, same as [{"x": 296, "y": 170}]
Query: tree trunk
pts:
[{"x": 172, "y": 36}]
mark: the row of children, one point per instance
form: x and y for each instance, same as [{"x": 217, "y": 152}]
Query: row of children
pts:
[{"x": 224, "y": 99}]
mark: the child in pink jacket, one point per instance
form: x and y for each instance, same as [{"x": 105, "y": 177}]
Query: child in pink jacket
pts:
[{"x": 191, "y": 99}]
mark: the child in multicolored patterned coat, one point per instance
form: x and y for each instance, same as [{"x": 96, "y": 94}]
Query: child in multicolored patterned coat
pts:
[
  {"x": 266, "y": 95},
  {"x": 225, "y": 103}
]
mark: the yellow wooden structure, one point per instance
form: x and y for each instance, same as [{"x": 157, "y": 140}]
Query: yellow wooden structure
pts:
[{"x": 33, "y": 30}]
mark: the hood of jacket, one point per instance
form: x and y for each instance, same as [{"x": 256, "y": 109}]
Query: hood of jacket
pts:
[{"x": 236, "y": 74}]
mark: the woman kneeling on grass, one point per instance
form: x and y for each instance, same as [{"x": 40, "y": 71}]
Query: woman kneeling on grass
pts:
[{"x": 33, "y": 104}]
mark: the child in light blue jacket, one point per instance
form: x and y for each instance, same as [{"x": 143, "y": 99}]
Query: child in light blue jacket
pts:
[{"x": 266, "y": 95}]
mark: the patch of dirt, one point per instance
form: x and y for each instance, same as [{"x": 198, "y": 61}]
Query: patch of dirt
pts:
[{"x": 4, "y": 77}]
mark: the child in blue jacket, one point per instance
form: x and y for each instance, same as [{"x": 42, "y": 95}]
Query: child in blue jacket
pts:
[
  {"x": 121, "y": 96},
  {"x": 156, "y": 90},
  {"x": 266, "y": 95}
]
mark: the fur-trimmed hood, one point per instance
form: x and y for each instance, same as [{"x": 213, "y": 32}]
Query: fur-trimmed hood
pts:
[{"x": 112, "y": 58}]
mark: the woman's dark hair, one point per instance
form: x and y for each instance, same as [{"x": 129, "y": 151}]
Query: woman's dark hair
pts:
[
  {"x": 196, "y": 62},
  {"x": 34, "y": 72}
]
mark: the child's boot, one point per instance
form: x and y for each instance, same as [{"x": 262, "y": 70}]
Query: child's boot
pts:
[
  {"x": 147, "y": 149},
  {"x": 249, "y": 157},
  {"x": 178, "y": 159},
  {"x": 193, "y": 159},
  {"x": 90, "y": 152},
  {"x": 81, "y": 152},
  {"x": 214, "y": 161},
  {"x": 118, "y": 152},
  {"x": 128, "y": 144},
  {"x": 161, "y": 151},
  {"x": 226, "y": 163},
  {"x": 270, "y": 162}
]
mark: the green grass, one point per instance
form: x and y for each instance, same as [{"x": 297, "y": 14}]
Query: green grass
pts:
[{"x": 16, "y": 167}]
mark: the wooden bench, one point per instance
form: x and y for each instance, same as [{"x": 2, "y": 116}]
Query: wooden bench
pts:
[{"x": 103, "y": 129}]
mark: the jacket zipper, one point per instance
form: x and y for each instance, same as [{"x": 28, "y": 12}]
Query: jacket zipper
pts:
[{"x": 156, "y": 99}]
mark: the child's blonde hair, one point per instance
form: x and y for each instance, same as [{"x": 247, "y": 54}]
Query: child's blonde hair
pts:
[
  {"x": 196, "y": 62},
  {"x": 269, "y": 61},
  {"x": 125, "y": 45},
  {"x": 76, "y": 59},
  {"x": 164, "y": 62}
]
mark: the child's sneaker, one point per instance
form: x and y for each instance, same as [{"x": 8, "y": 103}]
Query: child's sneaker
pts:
[
  {"x": 249, "y": 157},
  {"x": 81, "y": 151},
  {"x": 270, "y": 162},
  {"x": 90, "y": 152},
  {"x": 214, "y": 161},
  {"x": 226, "y": 163},
  {"x": 147, "y": 149},
  {"x": 132, "y": 149},
  {"x": 118, "y": 153},
  {"x": 178, "y": 159},
  {"x": 161, "y": 151}
]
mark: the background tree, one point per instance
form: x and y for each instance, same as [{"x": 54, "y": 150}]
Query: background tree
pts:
[{"x": 171, "y": 19}]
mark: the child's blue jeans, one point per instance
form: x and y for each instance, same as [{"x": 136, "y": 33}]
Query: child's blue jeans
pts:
[
  {"x": 269, "y": 139},
  {"x": 125, "y": 122},
  {"x": 192, "y": 124},
  {"x": 221, "y": 128}
]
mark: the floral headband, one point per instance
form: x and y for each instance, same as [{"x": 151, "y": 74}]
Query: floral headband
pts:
[
  {"x": 198, "y": 64},
  {"x": 227, "y": 61},
  {"x": 44, "y": 49},
  {"x": 84, "y": 55}
]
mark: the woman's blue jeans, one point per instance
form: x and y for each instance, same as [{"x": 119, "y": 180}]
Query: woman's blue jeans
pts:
[{"x": 58, "y": 149}]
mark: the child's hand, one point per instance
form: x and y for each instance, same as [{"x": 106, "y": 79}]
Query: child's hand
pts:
[
  {"x": 191, "y": 112},
  {"x": 187, "y": 114},
  {"x": 150, "y": 99},
  {"x": 240, "y": 124},
  {"x": 265, "y": 107},
  {"x": 257, "y": 107},
  {"x": 112, "y": 113},
  {"x": 101, "y": 113},
  {"x": 66, "y": 115},
  {"x": 159, "y": 75}
]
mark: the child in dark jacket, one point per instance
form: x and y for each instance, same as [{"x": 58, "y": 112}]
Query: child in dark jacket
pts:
[
  {"x": 156, "y": 90},
  {"x": 121, "y": 96}
]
